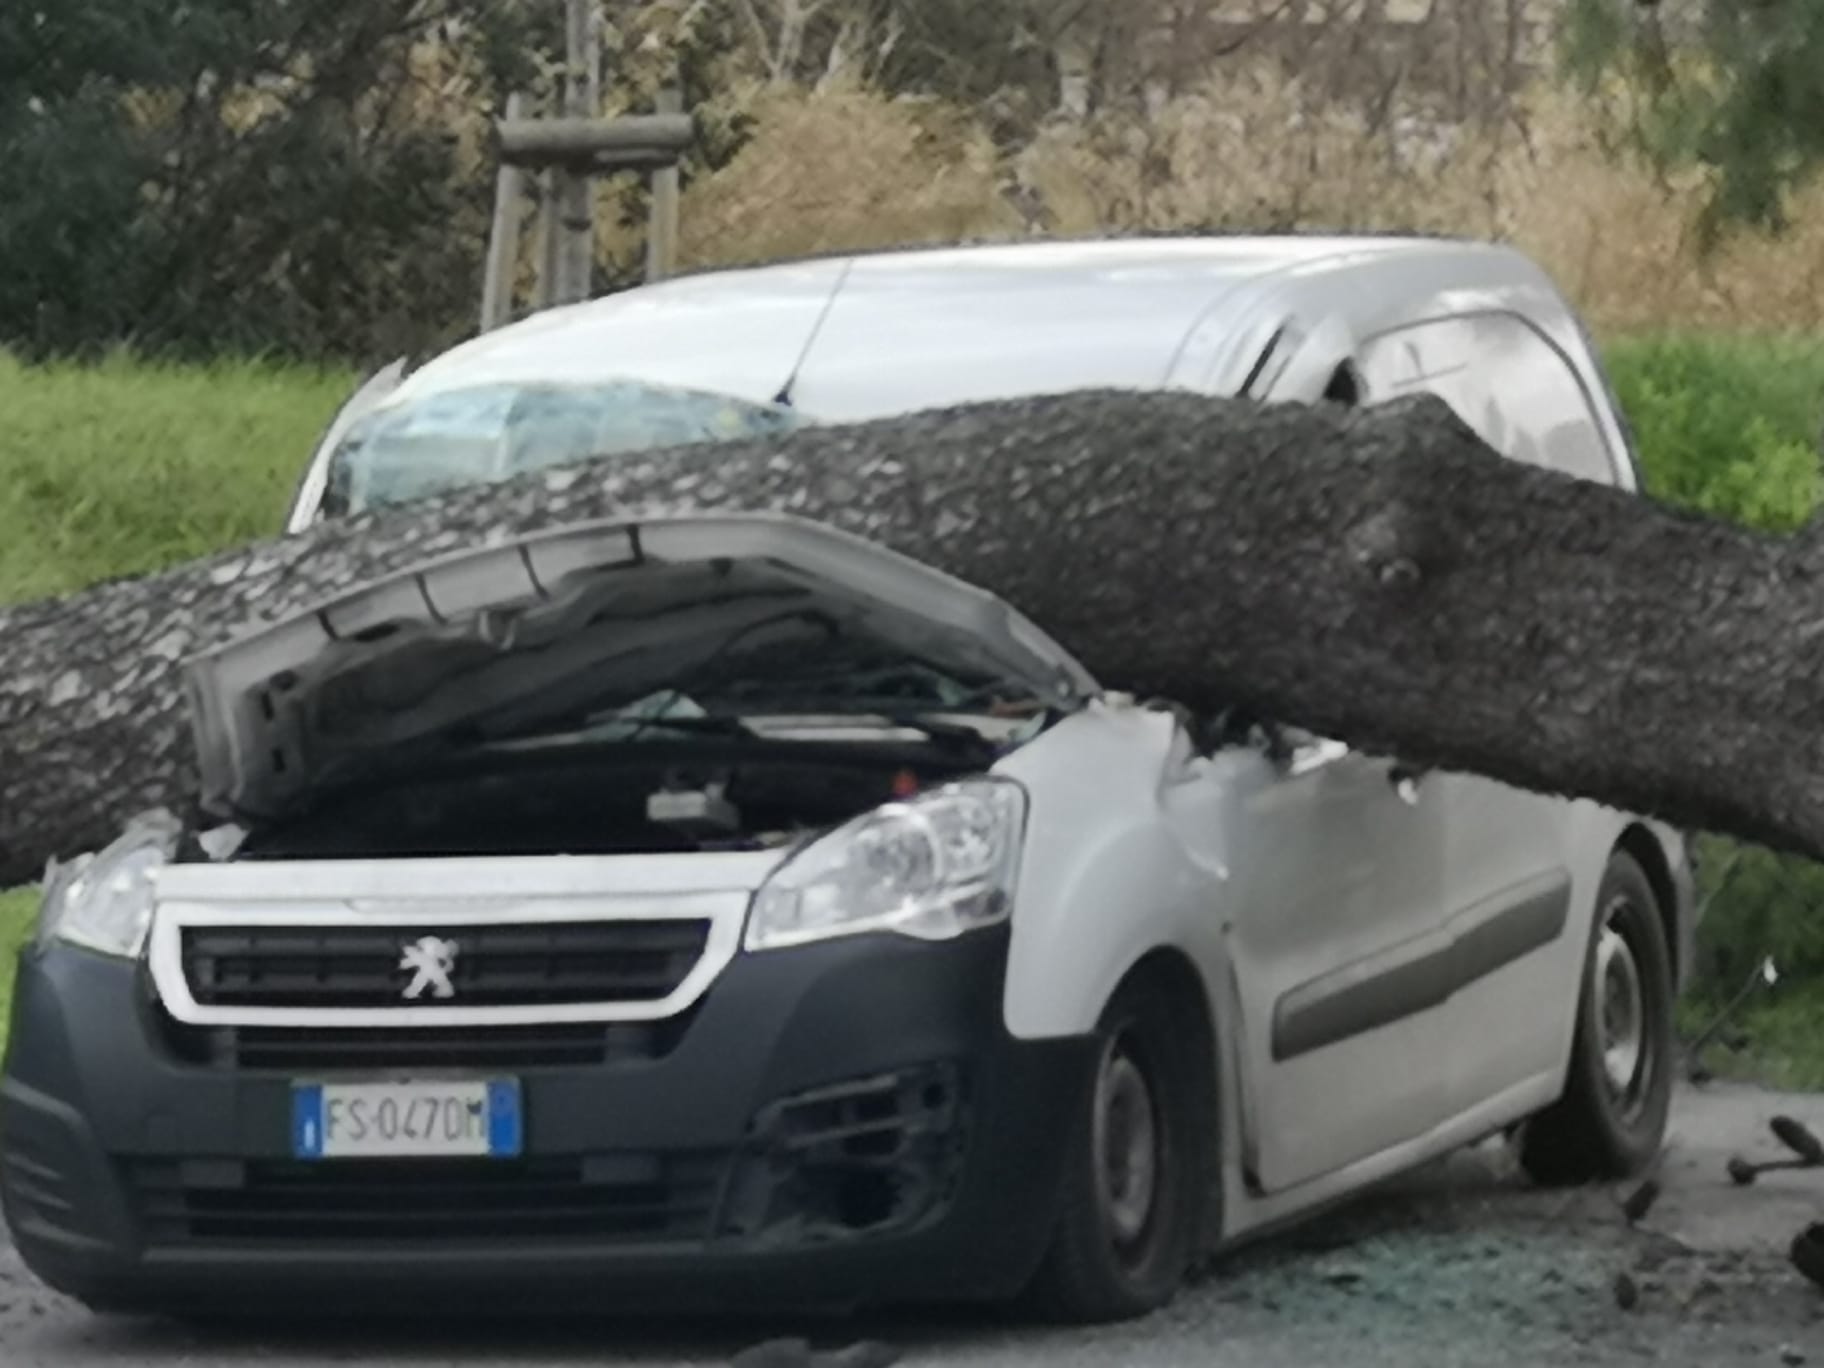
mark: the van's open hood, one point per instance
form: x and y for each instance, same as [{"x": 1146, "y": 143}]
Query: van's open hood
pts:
[{"x": 606, "y": 607}]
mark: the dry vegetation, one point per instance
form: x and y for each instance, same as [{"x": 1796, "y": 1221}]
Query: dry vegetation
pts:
[{"x": 842, "y": 168}]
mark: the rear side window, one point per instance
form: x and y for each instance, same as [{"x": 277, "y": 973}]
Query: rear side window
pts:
[{"x": 1504, "y": 380}]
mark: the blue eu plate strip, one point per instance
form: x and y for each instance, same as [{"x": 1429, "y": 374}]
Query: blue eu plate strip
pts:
[
  {"x": 506, "y": 1133},
  {"x": 307, "y": 1122}
]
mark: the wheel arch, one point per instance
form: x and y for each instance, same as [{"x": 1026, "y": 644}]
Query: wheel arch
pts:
[
  {"x": 1647, "y": 852},
  {"x": 1170, "y": 971},
  {"x": 1578, "y": 1138}
]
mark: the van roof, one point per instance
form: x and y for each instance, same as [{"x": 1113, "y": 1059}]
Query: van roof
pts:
[{"x": 871, "y": 334}]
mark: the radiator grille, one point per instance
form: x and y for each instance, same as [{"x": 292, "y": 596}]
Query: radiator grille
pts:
[{"x": 540, "y": 964}]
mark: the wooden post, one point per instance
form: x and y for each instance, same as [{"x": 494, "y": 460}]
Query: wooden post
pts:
[
  {"x": 575, "y": 189},
  {"x": 662, "y": 217},
  {"x": 503, "y": 237},
  {"x": 567, "y": 149},
  {"x": 633, "y": 141},
  {"x": 550, "y": 237}
]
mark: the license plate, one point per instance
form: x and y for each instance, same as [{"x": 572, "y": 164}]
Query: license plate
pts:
[{"x": 406, "y": 1120}]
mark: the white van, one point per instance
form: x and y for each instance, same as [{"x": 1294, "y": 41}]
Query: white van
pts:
[{"x": 870, "y": 969}]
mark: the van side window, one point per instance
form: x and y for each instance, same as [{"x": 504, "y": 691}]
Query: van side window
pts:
[{"x": 1504, "y": 380}]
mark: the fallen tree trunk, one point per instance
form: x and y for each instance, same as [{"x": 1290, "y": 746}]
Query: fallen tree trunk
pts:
[{"x": 1380, "y": 577}]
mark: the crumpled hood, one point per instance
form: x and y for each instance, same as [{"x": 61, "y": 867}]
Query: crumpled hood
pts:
[{"x": 583, "y": 611}]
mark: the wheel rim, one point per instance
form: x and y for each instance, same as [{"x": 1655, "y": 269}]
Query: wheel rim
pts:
[
  {"x": 1621, "y": 1011},
  {"x": 1126, "y": 1146}
]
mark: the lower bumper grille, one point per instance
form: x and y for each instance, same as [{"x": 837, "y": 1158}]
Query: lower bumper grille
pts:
[
  {"x": 498, "y": 1048},
  {"x": 311, "y": 1050},
  {"x": 283, "y": 1049},
  {"x": 608, "y": 1197}
]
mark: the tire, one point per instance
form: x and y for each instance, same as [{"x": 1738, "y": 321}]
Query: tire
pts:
[
  {"x": 1611, "y": 1120},
  {"x": 1126, "y": 1232}
]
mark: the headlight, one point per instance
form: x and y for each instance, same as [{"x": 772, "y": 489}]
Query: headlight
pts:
[
  {"x": 104, "y": 902},
  {"x": 933, "y": 867}
]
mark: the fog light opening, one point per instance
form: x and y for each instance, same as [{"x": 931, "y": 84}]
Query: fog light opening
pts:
[{"x": 865, "y": 1198}]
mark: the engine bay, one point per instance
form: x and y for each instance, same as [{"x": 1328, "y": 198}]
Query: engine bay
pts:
[{"x": 653, "y": 797}]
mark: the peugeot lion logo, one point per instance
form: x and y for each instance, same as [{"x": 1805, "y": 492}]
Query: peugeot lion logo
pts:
[{"x": 430, "y": 961}]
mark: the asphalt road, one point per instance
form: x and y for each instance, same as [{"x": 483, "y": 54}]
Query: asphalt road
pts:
[{"x": 1463, "y": 1264}]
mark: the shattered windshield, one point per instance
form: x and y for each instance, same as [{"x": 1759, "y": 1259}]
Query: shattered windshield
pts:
[{"x": 486, "y": 433}]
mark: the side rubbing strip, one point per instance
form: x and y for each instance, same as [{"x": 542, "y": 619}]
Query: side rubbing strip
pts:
[
  {"x": 1360, "y": 997},
  {"x": 1485, "y": 944},
  {"x": 1424, "y": 972}
]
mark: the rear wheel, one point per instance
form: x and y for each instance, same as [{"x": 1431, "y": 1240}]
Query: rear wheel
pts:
[
  {"x": 1138, "y": 1167},
  {"x": 1611, "y": 1120}
]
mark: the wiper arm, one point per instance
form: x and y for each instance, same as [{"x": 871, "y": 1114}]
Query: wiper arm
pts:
[
  {"x": 598, "y": 728},
  {"x": 953, "y": 735},
  {"x": 959, "y": 734},
  {"x": 595, "y": 727},
  {"x": 715, "y": 724}
]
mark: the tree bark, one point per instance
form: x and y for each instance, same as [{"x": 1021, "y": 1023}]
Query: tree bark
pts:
[{"x": 1380, "y": 577}]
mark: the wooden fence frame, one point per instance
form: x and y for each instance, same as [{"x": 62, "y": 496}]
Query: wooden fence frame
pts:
[{"x": 564, "y": 154}]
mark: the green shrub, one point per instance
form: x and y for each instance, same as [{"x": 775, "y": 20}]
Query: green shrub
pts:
[
  {"x": 249, "y": 174},
  {"x": 1731, "y": 426},
  {"x": 1757, "y": 904},
  {"x": 1778, "y": 1037}
]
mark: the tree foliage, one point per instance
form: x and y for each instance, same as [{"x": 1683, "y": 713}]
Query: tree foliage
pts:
[
  {"x": 312, "y": 176},
  {"x": 1734, "y": 86},
  {"x": 242, "y": 173}
]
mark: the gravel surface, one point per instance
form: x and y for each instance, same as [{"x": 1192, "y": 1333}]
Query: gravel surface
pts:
[{"x": 1463, "y": 1263}]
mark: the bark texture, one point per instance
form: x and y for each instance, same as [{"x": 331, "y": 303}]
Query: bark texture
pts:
[{"x": 1377, "y": 576}]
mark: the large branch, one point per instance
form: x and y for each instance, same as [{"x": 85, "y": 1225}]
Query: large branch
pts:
[{"x": 1380, "y": 577}]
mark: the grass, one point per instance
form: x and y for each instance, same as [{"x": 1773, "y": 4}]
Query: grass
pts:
[
  {"x": 1779, "y": 1040},
  {"x": 120, "y": 468},
  {"x": 123, "y": 467},
  {"x": 17, "y": 911}
]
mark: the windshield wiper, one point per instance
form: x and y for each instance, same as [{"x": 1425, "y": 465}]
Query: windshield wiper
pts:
[
  {"x": 596, "y": 727},
  {"x": 958, "y": 733},
  {"x": 951, "y": 735},
  {"x": 777, "y": 725}
]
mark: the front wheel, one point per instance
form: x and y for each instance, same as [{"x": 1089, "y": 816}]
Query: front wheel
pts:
[
  {"x": 1137, "y": 1169},
  {"x": 1611, "y": 1120}
]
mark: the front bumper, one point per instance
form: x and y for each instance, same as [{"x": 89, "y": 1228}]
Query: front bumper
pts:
[{"x": 833, "y": 1125}]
